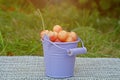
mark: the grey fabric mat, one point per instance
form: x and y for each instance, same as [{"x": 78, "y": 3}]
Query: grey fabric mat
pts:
[{"x": 32, "y": 68}]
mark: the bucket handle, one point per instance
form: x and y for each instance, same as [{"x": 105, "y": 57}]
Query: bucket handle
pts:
[
  {"x": 73, "y": 51},
  {"x": 76, "y": 51}
]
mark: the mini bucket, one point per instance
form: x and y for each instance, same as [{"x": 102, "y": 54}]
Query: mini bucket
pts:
[{"x": 59, "y": 57}]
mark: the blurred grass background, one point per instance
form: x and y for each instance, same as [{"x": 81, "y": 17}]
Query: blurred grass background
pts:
[{"x": 97, "y": 23}]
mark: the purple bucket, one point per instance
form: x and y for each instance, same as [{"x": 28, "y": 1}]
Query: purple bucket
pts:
[{"x": 59, "y": 57}]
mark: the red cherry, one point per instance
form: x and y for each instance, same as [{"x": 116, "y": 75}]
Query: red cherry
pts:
[
  {"x": 62, "y": 35},
  {"x": 52, "y": 35},
  {"x": 42, "y": 33},
  {"x": 57, "y": 28},
  {"x": 74, "y": 36},
  {"x": 69, "y": 39}
]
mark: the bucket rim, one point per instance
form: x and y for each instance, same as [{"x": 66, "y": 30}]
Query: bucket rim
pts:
[{"x": 63, "y": 43}]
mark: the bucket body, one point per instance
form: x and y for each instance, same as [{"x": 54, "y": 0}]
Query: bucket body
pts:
[{"x": 58, "y": 64}]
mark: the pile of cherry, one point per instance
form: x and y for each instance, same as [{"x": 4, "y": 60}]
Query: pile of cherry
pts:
[{"x": 59, "y": 35}]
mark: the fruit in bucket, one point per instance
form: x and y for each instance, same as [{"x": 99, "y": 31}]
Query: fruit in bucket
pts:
[
  {"x": 52, "y": 35},
  {"x": 69, "y": 39},
  {"x": 57, "y": 28},
  {"x": 73, "y": 35},
  {"x": 59, "y": 35},
  {"x": 42, "y": 33},
  {"x": 62, "y": 35}
]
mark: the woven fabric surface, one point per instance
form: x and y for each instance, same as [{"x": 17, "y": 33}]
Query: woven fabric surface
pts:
[{"x": 32, "y": 68}]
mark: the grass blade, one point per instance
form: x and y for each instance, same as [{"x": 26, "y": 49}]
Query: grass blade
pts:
[{"x": 1, "y": 41}]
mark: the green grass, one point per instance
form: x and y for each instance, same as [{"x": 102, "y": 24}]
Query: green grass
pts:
[{"x": 19, "y": 31}]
